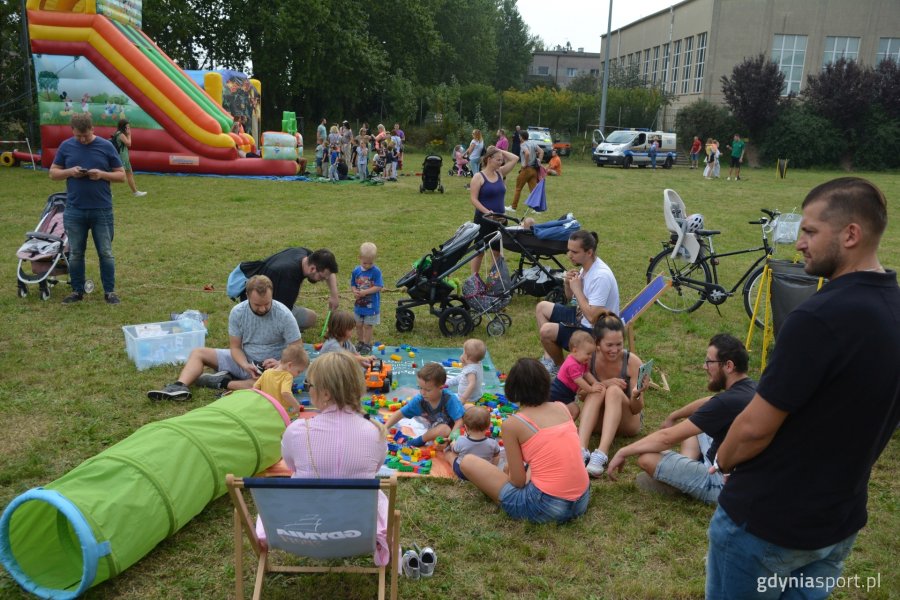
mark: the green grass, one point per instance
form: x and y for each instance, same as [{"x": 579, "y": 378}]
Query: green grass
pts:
[{"x": 69, "y": 391}]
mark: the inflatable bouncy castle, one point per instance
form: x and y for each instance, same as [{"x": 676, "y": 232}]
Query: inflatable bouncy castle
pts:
[{"x": 91, "y": 56}]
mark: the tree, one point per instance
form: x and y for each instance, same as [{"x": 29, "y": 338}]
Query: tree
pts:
[
  {"x": 753, "y": 93},
  {"x": 514, "y": 47},
  {"x": 842, "y": 93},
  {"x": 584, "y": 83},
  {"x": 705, "y": 120},
  {"x": 803, "y": 137},
  {"x": 887, "y": 87},
  {"x": 48, "y": 82}
]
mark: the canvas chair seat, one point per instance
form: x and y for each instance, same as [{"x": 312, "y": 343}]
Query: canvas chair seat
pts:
[{"x": 315, "y": 519}]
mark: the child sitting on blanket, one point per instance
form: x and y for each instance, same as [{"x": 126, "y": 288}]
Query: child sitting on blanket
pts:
[
  {"x": 278, "y": 381},
  {"x": 439, "y": 407},
  {"x": 477, "y": 419},
  {"x": 340, "y": 330},
  {"x": 470, "y": 382},
  {"x": 573, "y": 375}
]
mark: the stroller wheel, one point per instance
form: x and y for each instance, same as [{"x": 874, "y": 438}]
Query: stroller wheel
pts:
[
  {"x": 496, "y": 327},
  {"x": 556, "y": 295},
  {"x": 406, "y": 320},
  {"x": 45, "y": 291},
  {"x": 507, "y": 320},
  {"x": 23, "y": 290},
  {"x": 455, "y": 321},
  {"x": 88, "y": 286}
]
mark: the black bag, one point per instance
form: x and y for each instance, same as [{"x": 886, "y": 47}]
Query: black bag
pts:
[{"x": 114, "y": 138}]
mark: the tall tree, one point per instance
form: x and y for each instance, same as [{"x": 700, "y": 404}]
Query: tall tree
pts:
[
  {"x": 842, "y": 93},
  {"x": 514, "y": 47},
  {"x": 753, "y": 93}
]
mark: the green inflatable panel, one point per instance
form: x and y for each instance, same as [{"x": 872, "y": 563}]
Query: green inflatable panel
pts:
[{"x": 110, "y": 511}]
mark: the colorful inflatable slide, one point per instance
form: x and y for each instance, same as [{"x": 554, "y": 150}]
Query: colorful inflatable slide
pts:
[{"x": 91, "y": 56}]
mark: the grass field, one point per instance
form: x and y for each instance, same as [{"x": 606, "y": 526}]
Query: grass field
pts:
[{"x": 69, "y": 391}]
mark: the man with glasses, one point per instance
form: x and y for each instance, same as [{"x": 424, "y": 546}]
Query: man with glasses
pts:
[
  {"x": 699, "y": 427},
  {"x": 259, "y": 328}
]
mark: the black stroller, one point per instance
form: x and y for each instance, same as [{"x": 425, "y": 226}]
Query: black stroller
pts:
[
  {"x": 431, "y": 174},
  {"x": 45, "y": 251},
  {"x": 459, "y": 308},
  {"x": 531, "y": 276}
]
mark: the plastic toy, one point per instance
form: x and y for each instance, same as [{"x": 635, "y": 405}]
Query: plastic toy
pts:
[
  {"x": 379, "y": 376},
  {"x": 396, "y": 357}
]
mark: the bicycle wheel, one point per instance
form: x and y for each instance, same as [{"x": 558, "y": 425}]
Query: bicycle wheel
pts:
[
  {"x": 681, "y": 296},
  {"x": 751, "y": 289}
]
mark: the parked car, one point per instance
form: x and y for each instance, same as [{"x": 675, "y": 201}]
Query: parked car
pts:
[
  {"x": 542, "y": 136},
  {"x": 562, "y": 145},
  {"x": 627, "y": 147}
]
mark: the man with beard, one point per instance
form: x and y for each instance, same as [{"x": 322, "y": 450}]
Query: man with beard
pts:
[
  {"x": 801, "y": 453},
  {"x": 706, "y": 422},
  {"x": 259, "y": 328}
]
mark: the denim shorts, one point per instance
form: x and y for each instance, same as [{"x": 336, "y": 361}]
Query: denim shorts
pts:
[
  {"x": 458, "y": 470},
  {"x": 690, "y": 476},
  {"x": 531, "y": 504},
  {"x": 368, "y": 319},
  {"x": 566, "y": 316}
]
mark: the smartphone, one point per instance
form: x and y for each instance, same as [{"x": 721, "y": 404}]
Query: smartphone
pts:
[{"x": 644, "y": 373}]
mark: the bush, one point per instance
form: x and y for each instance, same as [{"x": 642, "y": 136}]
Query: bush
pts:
[
  {"x": 881, "y": 134},
  {"x": 705, "y": 120},
  {"x": 804, "y": 138}
]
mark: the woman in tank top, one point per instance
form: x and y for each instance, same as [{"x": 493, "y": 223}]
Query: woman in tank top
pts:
[
  {"x": 618, "y": 409},
  {"x": 541, "y": 439},
  {"x": 487, "y": 192}
]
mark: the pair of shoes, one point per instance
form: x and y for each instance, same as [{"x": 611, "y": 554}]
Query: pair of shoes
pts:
[
  {"x": 139, "y": 194},
  {"x": 214, "y": 381},
  {"x": 111, "y": 298},
  {"x": 363, "y": 348},
  {"x": 586, "y": 455},
  {"x": 73, "y": 298},
  {"x": 551, "y": 366},
  {"x": 644, "y": 482},
  {"x": 597, "y": 464},
  {"x": 174, "y": 391}
]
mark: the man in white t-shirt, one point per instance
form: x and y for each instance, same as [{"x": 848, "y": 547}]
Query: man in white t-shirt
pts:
[{"x": 593, "y": 288}]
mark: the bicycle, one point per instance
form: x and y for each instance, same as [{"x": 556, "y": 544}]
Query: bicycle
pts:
[{"x": 695, "y": 279}]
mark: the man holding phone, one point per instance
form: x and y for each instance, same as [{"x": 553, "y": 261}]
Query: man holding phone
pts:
[{"x": 88, "y": 164}]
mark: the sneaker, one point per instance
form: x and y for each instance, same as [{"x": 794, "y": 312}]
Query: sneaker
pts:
[
  {"x": 73, "y": 298},
  {"x": 644, "y": 482},
  {"x": 427, "y": 561},
  {"x": 111, "y": 298},
  {"x": 597, "y": 464},
  {"x": 410, "y": 564},
  {"x": 214, "y": 381},
  {"x": 586, "y": 455},
  {"x": 174, "y": 391},
  {"x": 737, "y": 178},
  {"x": 551, "y": 366},
  {"x": 139, "y": 194}
]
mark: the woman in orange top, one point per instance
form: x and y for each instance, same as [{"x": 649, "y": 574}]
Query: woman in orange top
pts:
[{"x": 542, "y": 439}]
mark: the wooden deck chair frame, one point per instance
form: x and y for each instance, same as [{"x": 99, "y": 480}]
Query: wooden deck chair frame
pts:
[
  {"x": 631, "y": 311},
  {"x": 244, "y": 525}
]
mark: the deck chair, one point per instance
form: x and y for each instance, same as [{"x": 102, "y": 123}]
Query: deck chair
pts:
[
  {"x": 629, "y": 314},
  {"x": 314, "y": 519}
]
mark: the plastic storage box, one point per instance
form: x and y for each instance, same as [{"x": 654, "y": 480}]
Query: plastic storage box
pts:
[{"x": 169, "y": 342}]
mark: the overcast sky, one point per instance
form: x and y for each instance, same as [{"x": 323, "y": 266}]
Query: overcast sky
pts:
[{"x": 582, "y": 22}]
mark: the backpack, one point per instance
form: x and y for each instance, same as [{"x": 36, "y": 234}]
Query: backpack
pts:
[{"x": 114, "y": 138}]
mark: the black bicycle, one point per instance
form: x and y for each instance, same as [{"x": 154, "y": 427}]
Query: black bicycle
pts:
[{"x": 695, "y": 282}]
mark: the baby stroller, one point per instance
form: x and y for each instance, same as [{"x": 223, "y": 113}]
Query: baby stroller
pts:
[
  {"x": 427, "y": 284},
  {"x": 461, "y": 166},
  {"x": 377, "y": 166},
  {"x": 45, "y": 251},
  {"x": 431, "y": 174},
  {"x": 542, "y": 242}
]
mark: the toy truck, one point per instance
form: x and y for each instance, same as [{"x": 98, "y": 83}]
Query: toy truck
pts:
[{"x": 379, "y": 376}]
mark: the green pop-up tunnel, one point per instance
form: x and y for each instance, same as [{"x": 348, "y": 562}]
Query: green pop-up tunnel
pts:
[{"x": 110, "y": 511}]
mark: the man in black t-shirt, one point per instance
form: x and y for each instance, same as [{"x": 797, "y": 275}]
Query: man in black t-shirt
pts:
[
  {"x": 801, "y": 453},
  {"x": 288, "y": 270},
  {"x": 706, "y": 421}
]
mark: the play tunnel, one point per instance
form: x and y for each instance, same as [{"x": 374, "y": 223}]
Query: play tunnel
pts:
[{"x": 110, "y": 511}]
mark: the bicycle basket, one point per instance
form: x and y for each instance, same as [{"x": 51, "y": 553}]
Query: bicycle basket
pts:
[{"x": 787, "y": 228}]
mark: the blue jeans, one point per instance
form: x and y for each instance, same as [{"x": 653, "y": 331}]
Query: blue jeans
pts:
[
  {"x": 475, "y": 165},
  {"x": 741, "y": 565},
  {"x": 690, "y": 476},
  {"x": 531, "y": 504},
  {"x": 99, "y": 221}
]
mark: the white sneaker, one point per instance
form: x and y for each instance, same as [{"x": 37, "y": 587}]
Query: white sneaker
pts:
[
  {"x": 597, "y": 464},
  {"x": 139, "y": 194},
  {"x": 509, "y": 209},
  {"x": 586, "y": 455},
  {"x": 728, "y": 178}
]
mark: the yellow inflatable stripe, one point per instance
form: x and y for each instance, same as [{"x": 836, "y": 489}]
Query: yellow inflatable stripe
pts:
[{"x": 89, "y": 35}]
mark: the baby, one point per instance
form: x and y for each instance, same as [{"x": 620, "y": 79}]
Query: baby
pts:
[
  {"x": 470, "y": 382},
  {"x": 278, "y": 381},
  {"x": 573, "y": 375},
  {"x": 477, "y": 419}
]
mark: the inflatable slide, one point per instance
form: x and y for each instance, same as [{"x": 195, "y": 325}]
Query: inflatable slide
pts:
[
  {"x": 111, "y": 510},
  {"x": 91, "y": 56}
]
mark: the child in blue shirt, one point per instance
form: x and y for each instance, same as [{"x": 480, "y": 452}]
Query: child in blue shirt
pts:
[
  {"x": 366, "y": 283},
  {"x": 439, "y": 407}
]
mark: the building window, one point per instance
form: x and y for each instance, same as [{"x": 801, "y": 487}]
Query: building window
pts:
[
  {"x": 543, "y": 70},
  {"x": 888, "y": 49},
  {"x": 655, "y": 75},
  {"x": 664, "y": 77},
  {"x": 595, "y": 72},
  {"x": 675, "y": 62},
  {"x": 840, "y": 47},
  {"x": 701, "y": 60},
  {"x": 686, "y": 73},
  {"x": 646, "y": 65},
  {"x": 789, "y": 53},
  {"x": 571, "y": 72}
]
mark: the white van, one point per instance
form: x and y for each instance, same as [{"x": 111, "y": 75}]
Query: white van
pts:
[{"x": 628, "y": 147}]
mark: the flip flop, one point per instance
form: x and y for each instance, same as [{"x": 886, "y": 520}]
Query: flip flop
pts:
[
  {"x": 427, "y": 560},
  {"x": 411, "y": 564}
]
